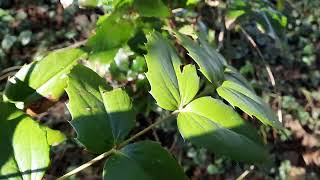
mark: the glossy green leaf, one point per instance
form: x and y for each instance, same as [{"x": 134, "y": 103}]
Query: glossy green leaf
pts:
[
  {"x": 163, "y": 65},
  {"x": 54, "y": 137},
  {"x": 23, "y": 143},
  {"x": 145, "y": 160},
  {"x": 44, "y": 78},
  {"x": 101, "y": 117},
  {"x": 209, "y": 63},
  {"x": 211, "y": 51},
  {"x": 211, "y": 124},
  {"x": 188, "y": 84},
  {"x": 232, "y": 74},
  {"x": 240, "y": 96},
  {"x": 154, "y": 8},
  {"x": 112, "y": 32}
]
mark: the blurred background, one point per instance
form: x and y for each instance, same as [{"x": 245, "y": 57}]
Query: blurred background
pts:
[{"x": 274, "y": 44}]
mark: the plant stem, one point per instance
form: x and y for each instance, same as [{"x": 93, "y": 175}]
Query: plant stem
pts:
[
  {"x": 87, "y": 164},
  {"x": 106, "y": 154},
  {"x": 147, "y": 129}
]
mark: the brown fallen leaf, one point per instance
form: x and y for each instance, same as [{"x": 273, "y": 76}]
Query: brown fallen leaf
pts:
[
  {"x": 312, "y": 157},
  {"x": 308, "y": 140}
]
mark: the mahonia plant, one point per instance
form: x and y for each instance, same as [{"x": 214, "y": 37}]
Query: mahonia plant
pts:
[{"x": 103, "y": 116}]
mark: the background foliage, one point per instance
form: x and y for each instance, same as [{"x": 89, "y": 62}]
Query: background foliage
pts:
[{"x": 254, "y": 35}]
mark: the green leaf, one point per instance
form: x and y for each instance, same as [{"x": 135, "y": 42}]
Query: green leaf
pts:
[
  {"x": 23, "y": 143},
  {"x": 145, "y": 160},
  {"x": 171, "y": 88},
  {"x": 211, "y": 51},
  {"x": 189, "y": 83},
  {"x": 154, "y": 8},
  {"x": 54, "y": 137},
  {"x": 211, "y": 124},
  {"x": 112, "y": 32},
  {"x": 209, "y": 63},
  {"x": 163, "y": 65},
  {"x": 101, "y": 117},
  {"x": 239, "y": 96},
  {"x": 192, "y": 2},
  {"x": 44, "y": 78},
  {"x": 232, "y": 74}
]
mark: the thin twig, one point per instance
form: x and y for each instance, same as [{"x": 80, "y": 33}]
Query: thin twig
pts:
[
  {"x": 87, "y": 164},
  {"x": 245, "y": 173},
  {"x": 254, "y": 45},
  {"x": 5, "y": 76},
  {"x": 106, "y": 154},
  {"x": 10, "y": 69},
  {"x": 74, "y": 45},
  {"x": 147, "y": 129},
  {"x": 270, "y": 74}
]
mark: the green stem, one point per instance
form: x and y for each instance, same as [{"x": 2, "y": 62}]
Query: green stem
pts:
[{"x": 106, "y": 154}]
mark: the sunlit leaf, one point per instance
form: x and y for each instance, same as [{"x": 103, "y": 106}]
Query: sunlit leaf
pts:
[
  {"x": 188, "y": 84},
  {"x": 211, "y": 124},
  {"x": 45, "y": 78},
  {"x": 112, "y": 32},
  {"x": 208, "y": 61},
  {"x": 163, "y": 65},
  {"x": 242, "y": 97},
  {"x": 101, "y": 117},
  {"x": 154, "y": 8},
  {"x": 54, "y": 137},
  {"x": 23, "y": 143}
]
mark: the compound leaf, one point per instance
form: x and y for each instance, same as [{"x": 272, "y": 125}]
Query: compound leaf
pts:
[
  {"x": 101, "y": 117},
  {"x": 188, "y": 84},
  {"x": 163, "y": 65},
  {"x": 210, "y": 63}
]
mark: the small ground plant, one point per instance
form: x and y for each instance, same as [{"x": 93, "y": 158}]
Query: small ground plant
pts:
[{"x": 198, "y": 89}]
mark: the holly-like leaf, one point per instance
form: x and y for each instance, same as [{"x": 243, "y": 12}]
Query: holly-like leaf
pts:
[
  {"x": 188, "y": 84},
  {"x": 211, "y": 124},
  {"x": 171, "y": 88},
  {"x": 101, "y": 117},
  {"x": 145, "y": 160},
  {"x": 240, "y": 96},
  {"x": 23, "y": 143},
  {"x": 209, "y": 63},
  {"x": 154, "y": 8},
  {"x": 112, "y": 32},
  {"x": 163, "y": 65},
  {"x": 45, "y": 78}
]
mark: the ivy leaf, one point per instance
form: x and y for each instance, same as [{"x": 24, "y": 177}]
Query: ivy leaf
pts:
[
  {"x": 145, "y": 160},
  {"x": 209, "y": 63},
  {"x": 45, "y": 78},
  {"x": 163, "y": 65},
  {"x": 112, "y": 32},
  {"x": 23, "y": 143},
  {"x": 101, "y": 117},
  {"x": 154, "y": 8},
  {"x": 239, "y": 96},
  {"x": 211, "y": 124}
]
